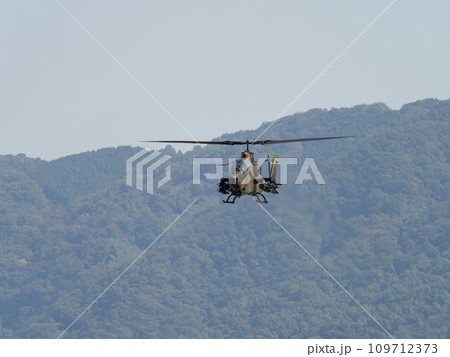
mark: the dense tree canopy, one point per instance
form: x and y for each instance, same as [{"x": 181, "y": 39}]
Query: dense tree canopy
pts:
[{"x": 380, "y": 226}]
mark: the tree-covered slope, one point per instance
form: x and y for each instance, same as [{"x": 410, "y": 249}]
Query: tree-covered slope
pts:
[{"x": 379, "y": 226}]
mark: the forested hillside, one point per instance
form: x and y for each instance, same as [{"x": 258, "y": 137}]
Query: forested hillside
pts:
[{"x": 380, "y": 226}]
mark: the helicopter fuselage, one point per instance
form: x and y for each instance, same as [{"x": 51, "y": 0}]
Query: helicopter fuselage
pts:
[{"x": 245, "y": 179}]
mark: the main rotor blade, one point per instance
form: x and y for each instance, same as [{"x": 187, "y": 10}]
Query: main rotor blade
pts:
[
  {"x": 226, "y": 142},
  {"x": 264, "y": 142},
  {"x": 234, "y": 142}
]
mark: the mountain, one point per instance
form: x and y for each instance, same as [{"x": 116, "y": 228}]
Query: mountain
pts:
[{"x": 379, "y": 227}]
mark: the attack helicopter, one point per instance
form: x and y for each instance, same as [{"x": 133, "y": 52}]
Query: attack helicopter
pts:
[{"x": 245, "y": 175}]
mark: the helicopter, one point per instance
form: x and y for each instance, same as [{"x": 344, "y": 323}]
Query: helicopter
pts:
[{"x": 245, "y": 175}]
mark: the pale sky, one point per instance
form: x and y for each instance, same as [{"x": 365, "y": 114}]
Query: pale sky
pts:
[{"x": 216, "y": 66}]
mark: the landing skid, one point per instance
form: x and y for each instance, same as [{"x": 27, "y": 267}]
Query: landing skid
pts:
[
  {"x": 231, "y": 195},
  {"x": 258, "y": 195},
  {"x": 232, "y": 198}
]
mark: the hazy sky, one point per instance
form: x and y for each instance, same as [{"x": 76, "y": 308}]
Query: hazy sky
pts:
[{"x": 217, "y": 66}]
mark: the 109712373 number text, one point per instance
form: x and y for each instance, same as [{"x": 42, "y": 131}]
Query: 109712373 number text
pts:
[{"x": 403, "y": 348}]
